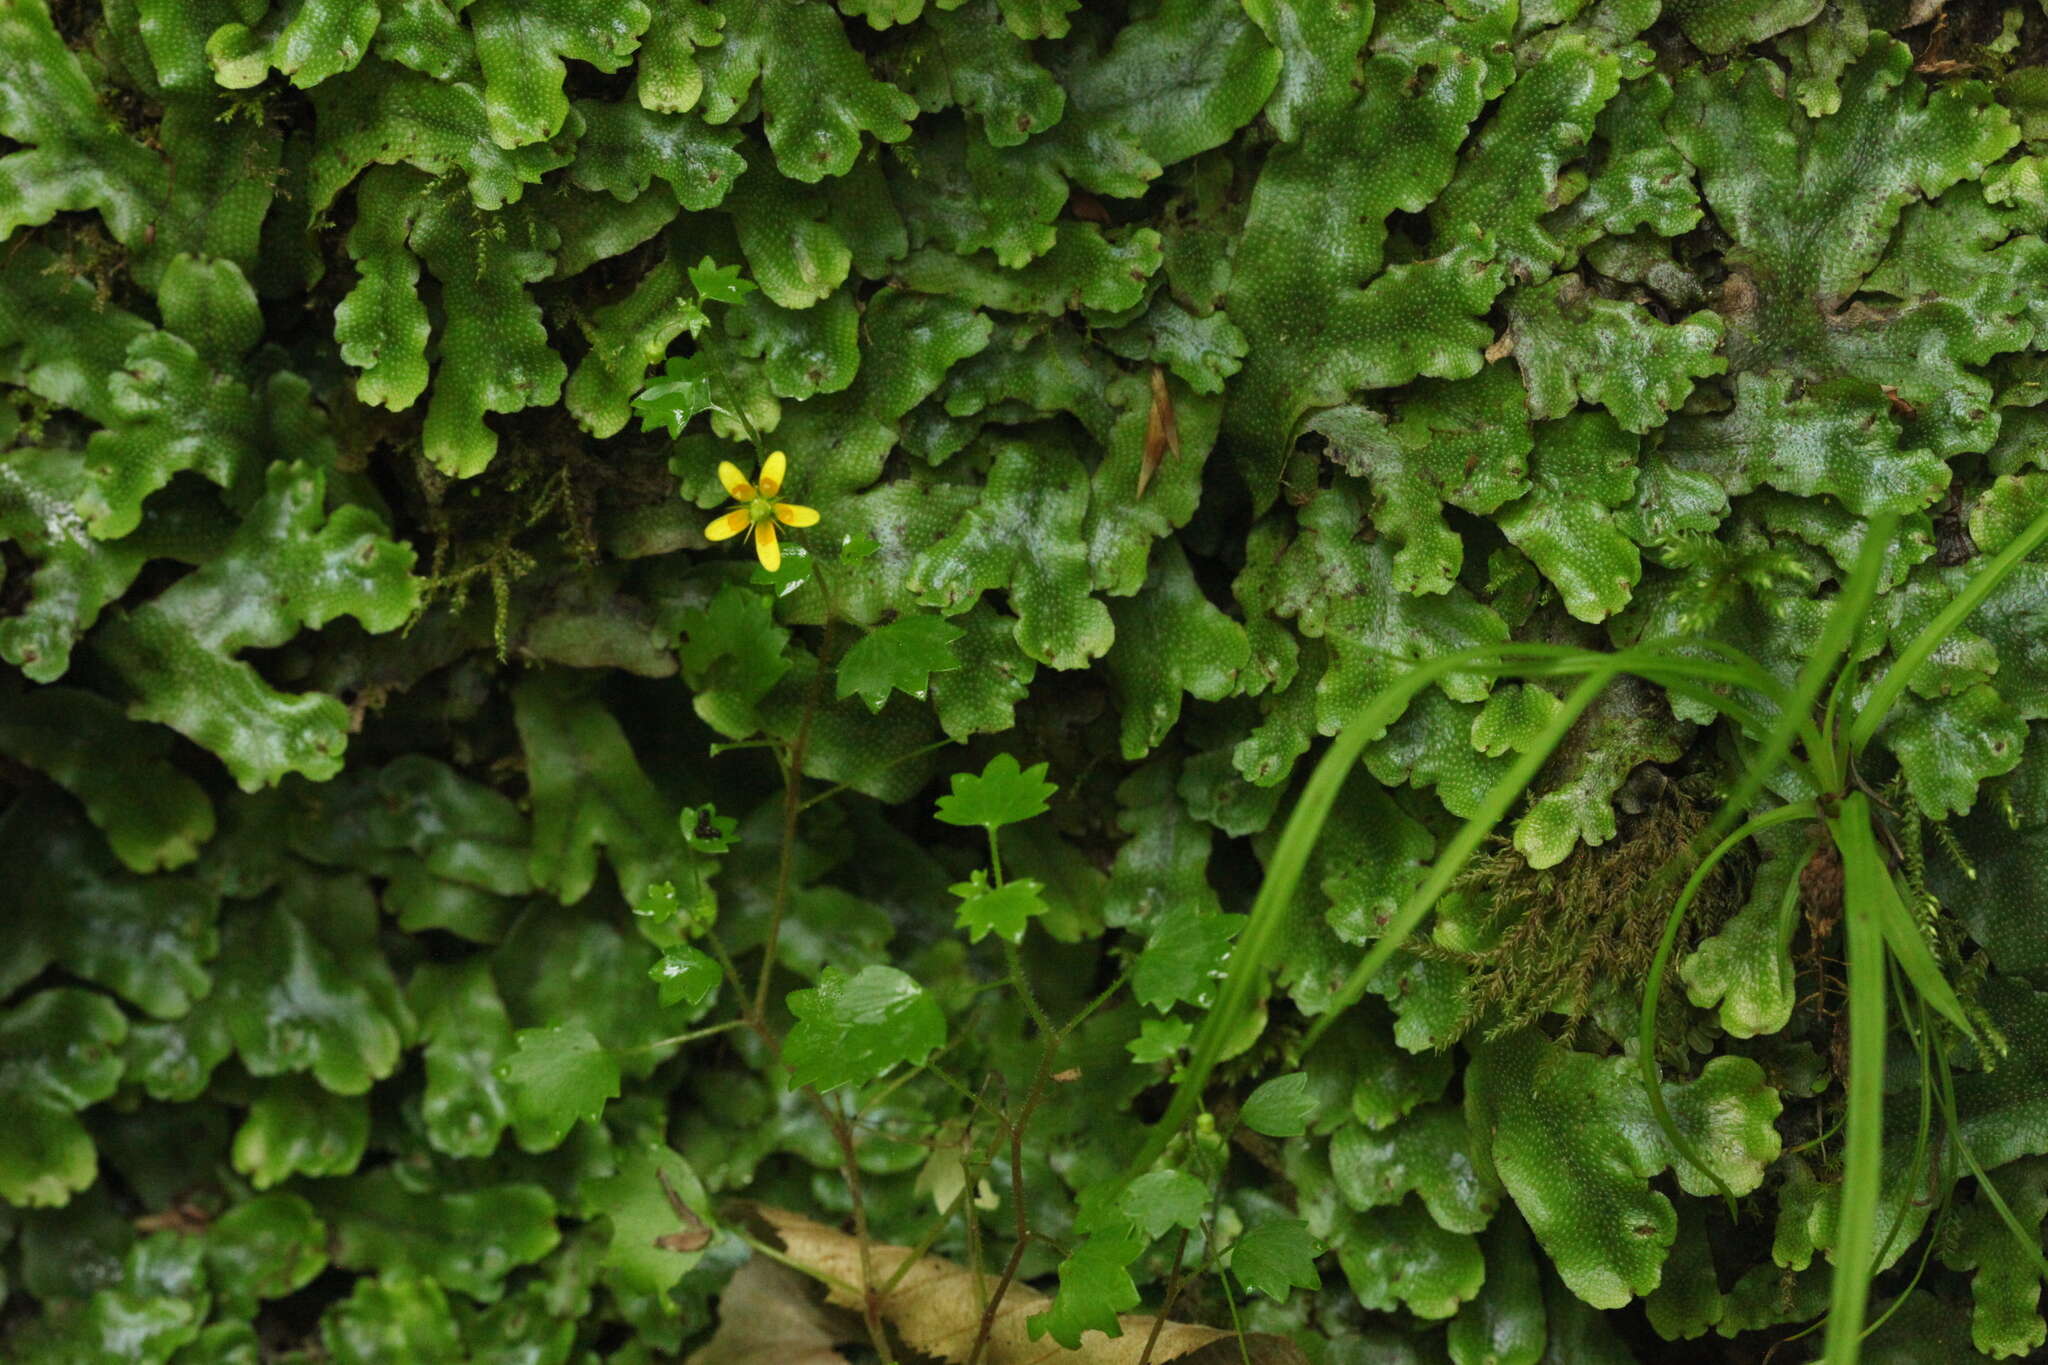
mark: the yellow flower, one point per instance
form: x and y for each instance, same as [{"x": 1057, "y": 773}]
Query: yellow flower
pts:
[{"x": 758, "y": 511}]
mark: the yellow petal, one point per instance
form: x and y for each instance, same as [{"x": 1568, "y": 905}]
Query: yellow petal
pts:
[
  {"x": 736, "y": 486},
  {"x": 793, "y": 514},
  {"x": 767, "y": 546},
  {"x": 727, "y": 526},
  {"x": 772, "y": 470}
]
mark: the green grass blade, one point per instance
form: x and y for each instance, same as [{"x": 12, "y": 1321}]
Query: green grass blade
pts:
[
  {"x": 1796, "y": 718},
  {"x": 2029, "y": 1245},
  {"x": 1248, "y": 957},
  {"x": 1646, "y": 1023},
  {"x": 1901, "y": 931},
  {"x": 1463, "y": 845},
  {"x": 1246, "y": 973},
  {"x": 1863, "y": 1134},
  {"x": 1886, "y": 694}
]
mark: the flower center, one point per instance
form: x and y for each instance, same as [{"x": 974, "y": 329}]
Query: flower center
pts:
[{"x": 760, "y": 510}]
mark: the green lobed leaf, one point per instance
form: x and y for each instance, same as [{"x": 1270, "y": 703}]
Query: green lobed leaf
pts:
[
  {"x": 1003, "y": 793},
  {"x": 1745, "y": 968},
  {"x": 1465, "y": 443},
  {"x": 1171, "y": 640},
  {"x": 301, "y": 986},
  {"x": 1507, "y": 179},
  {"x": 1095, "y": 1286},
  {"x": 1003, "y": 910},
  {"x": 635, "y": 1201},
  {"x": 380, "y": 114},
  {"x": 1505, "y": 1323},
  {"x": 1337, "y": 586},
  {"x": 154, "y": 817},
  {"x": 1171, "y": 85},
  {"x": 686, "y": 975},
  {"x": 1319, "y": 48},
  {"x": 494, "y": 351},
  {"x": 144, "y": 938},
  {"x": 1276, "y": 1257},
  {"x": 553, "y": 1077},
  {"x": 399, "y": 1315},
  {"x": 263, "y": 1248},
  {"x": 465, "y": 1036},
  {"x": 1427, "y": 1153},
  {"x": 2005, "y": 1290},
  {"x": 1160, "y": 1201},
  {"x": 1184, "y": 957},
  {"x": 181, "y": 402},
  {"x": 853, "y": 1029},
  {"x": 1163, "y": 863},
  {"x": 381, "y": 326},
  {"x": 1798, "y": 258},
  {"x": 1397, "y": 1258},
  {"x": 1582, "y": 468},
  {"x": 962, "y": 57},
  {"x": 901, "y": 656},
  {"x": 1573, "y": 1144}
]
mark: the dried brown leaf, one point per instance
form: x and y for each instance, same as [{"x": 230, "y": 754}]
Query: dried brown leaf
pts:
[
  {"x": 770, "y": 1315},
  {"x": 694, "y": 1235},
  {"x": 933, "y": 1310},
  {"x": 1162, "y": 430}
]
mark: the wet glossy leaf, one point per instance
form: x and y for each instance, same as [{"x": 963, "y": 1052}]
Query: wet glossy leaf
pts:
[
  {"x": 520, "y": 48},
  {"x": 1002, "y": 910},
  {"x": 146, "y": 939},
  {"x": 290, "y": 565},
  {"x": 1183, "y": 959},
  {"x": 852, "y": 1029},
  {"x": 899, "y": 657},
  {"x": 685, "y": 975},
  {"x": 296, "y": 1128},
  {"x": 1276, "y": 1257},
  {"x": 1505, "y": 1323},
  {"x": 1572, "y": 345},
  {"x": 554, "y": 1077},
  {"x": 1160, "y": 1201},
  {"x": 397, "y": 1316},
  {"x": 1396, "y": 1257},
  {"x": 644, "y": 1255},
  {"x": 1427, "y": 1154},
  {"x": 1024, "y": 536},
  {"x": 59, "y": 1052},
  {"x": 300, "y": 986},
  {"x": 1095, "y": 1286},
  {"x": 264, "y": 1248},
  {"x": 1004, "y": 793},
  {"x": 1279, "y": 1107},
  {"x": 468, "y": 1240},
  {"x": 467, "y": 1036}
]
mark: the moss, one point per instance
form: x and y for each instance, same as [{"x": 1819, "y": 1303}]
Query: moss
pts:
[{"x": 1569, "y": 940}]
